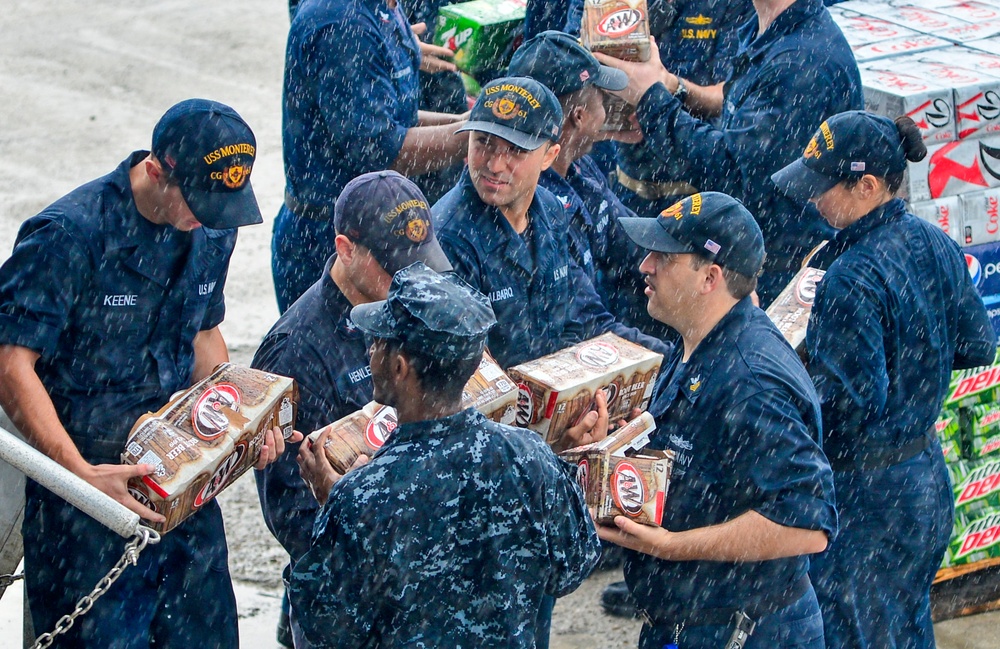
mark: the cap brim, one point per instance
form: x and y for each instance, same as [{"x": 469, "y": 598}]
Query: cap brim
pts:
[
  {"x": 611, "y": 79},
  {"x": 517, "y": 138},
  {"x": 223, "y": 210},
  {"x": 429, "y": 252},
  {"x": 648, "y": 234},
  {"x": 374, "y": 319},
  {"x": 800, "y": 183}
]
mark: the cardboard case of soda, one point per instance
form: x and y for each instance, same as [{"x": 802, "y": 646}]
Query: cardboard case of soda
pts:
[
  {"x": 556, "y": 391},
  {"x": 620, "y": 477},
  {"x": 206, "y": 437},
  {"x": 490, "y": 391},
  {"x": 618, "y": 28},
  {"x": 481, "y": 33}
]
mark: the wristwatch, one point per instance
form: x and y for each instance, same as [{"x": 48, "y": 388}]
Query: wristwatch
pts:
[{"x": 682, "y": 90}]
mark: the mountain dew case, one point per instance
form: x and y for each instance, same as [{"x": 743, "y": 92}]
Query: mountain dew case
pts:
[
  {"x": 978, "y": 492},
  {"x": 979, "y": 540},
  {"x": 973, "y": 386},
  {"x": 983, "y": 439},
  {"x": 481, "y": 33},
  {"x": 949, "y": 432},
  {"x": 620, "y": 28}
]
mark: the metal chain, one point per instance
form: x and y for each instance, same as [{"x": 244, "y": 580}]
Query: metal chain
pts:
[
  {"x": 7, "y": 580},
  {"x": 143, "y": 536}
]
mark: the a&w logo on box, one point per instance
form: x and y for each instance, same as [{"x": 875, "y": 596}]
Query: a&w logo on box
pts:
[{"x": 628, "y": 489}]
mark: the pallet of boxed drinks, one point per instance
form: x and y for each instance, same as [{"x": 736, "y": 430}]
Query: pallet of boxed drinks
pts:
[{"x": 969, "y": 431}]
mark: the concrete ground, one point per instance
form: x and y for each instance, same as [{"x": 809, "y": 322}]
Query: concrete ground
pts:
[{"x": 83, "y": 84}]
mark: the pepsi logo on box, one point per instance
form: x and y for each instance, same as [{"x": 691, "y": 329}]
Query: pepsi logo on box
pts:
[{"x": 984, "y": 267}]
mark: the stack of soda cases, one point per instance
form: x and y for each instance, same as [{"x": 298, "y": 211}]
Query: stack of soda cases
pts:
[
  {"x": 938, "y": 61},
  {"x": 969, "y": 432}
]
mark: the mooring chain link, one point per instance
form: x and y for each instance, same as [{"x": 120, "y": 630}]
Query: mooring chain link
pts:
[
  {"x": 143, "y": 536},
  {"x": 7, "y": 580}
]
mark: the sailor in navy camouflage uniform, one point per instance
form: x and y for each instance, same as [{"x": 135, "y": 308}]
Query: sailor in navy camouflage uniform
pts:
[
  {"x": 383, "y": 224},
  {"x": 597, "y": 241},
  {"x": 109, "y": 304},
  {"x": 895, "y": 312},
  {"x": 509, "y": 238},
  {"x": 455, "y": 530},
  {"x": 751, "y": 493}
]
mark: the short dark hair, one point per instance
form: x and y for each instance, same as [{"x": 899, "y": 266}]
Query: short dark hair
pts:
[
  {"x": 446, "y": 378},
  {"x": 738, "y": 284}
]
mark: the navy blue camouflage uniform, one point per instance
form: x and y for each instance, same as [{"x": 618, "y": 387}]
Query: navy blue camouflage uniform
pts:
[
  {"x": 894, "y": 314},
  {"x": 351, "y": 92},
  {"x": 743, "y": 419},
  {"x": 542, "y": 298},
  {"x": 112, "y": 304},
  {"x": 449, "y": 537},
  {"x": 784, "y": 82}
]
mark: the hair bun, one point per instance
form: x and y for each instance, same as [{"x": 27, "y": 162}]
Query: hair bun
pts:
[{"x": 911, "y": 138}]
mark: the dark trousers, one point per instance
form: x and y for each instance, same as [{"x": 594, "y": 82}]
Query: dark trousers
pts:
[
  {"x": 179, "y": 595},
  {"x": 874, "y": 580}
]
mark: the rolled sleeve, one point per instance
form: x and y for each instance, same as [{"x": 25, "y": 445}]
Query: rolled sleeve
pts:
[
  {"x": 356, "y": 96},
  {"x": 786, "y": 464},
  {"x": 39, "y": 285}
]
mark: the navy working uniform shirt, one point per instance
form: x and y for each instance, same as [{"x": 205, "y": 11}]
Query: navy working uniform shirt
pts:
[
  {"x": 894, "y": 314},
  {"x": 543, "y": 300},
  {"x": 599, "y": 244},
  {"x": 112, "y": 303},
  {"x": 697, "y": 40},
  {"x": 351, "y": 92},
  {"x": 743, "y": 419},
  {"x": 315, "y": 343},
  {"x": 449, "y": 537},
  {"x": 783, "y": 84}
]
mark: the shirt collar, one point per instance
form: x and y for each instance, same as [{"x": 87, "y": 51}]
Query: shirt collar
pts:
[
  {"x": 467, "y": 419},
  {"x": 335, "y": 302},
  {"x": 690, "y": 378},
  {"x": 786, "y": 23},
  {"x": 125, "y": 228},
  {"x": 885, "y": 213}
]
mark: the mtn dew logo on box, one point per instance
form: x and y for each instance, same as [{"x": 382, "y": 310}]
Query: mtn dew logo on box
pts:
[
  {"x": 979, "y": 490},
  {"x": 979, "y": 540},
  {"x": 480, "y": 33},
  {"x": 973, "y": 386}
]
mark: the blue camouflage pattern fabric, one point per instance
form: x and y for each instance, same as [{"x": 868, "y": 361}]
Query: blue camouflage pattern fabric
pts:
[{"x": 449, "y": 537}]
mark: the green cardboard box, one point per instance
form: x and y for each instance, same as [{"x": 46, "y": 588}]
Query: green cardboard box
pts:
[
  {"x": 481, "y": 33},
  {"x": 979, "y": 540},
  {"x": 974, "y": 386},
  {"x": 978, "y": 490},
  {"x": 949, "y": 432},
  {"x": 983, "y": 433}
]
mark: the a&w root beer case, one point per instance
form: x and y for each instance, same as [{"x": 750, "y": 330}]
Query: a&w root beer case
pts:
[{"x": 206, "y": 437}]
